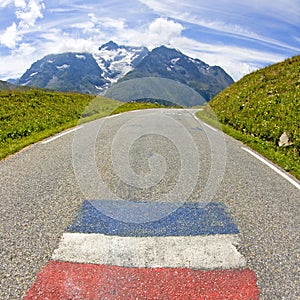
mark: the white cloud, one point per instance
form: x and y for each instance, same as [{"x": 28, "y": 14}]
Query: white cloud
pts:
[
  {"x": 296, "y": 38},
  {"x": 286, "y": 10},
  {"x": 10, "y": 37},
  {"x": 58, "y": 42},
  {"x": 25, "y": 50},
  {"x": 14, "y": 65},
  {"x": 29, "y": 13},
  {"x": 163, "y": 31},
  {"x": 227, "y": 18},
  {"x": 86, "y": 27},
  {"x": 17, "y": 3},
  {"x": 196, "y": 14},
  {"x": 160, "y": 31},
  {"x": 4, "y": 3},
  {"x": 107, "y": 23},
  {"x": 20, "y": 3},
  {"x": 238, "y": 31}
]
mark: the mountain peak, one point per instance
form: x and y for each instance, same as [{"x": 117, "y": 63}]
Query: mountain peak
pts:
[
  {"x": 171, "y": 64},
  {"x": 109, "y": 46},
  {"x": 117, "y": 60},
  {"x": 163, "y": 47},
  {"x": 166, "y": 50}
]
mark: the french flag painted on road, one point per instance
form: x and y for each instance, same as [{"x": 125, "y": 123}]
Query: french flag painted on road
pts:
[{"x": 187, "y": 254}]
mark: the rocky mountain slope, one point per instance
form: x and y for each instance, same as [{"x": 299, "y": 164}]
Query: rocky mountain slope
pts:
[
  {"x": 172, "y": 64},
  {"x": 65, "y": 72},
  {"x": 83, "y": 72}
]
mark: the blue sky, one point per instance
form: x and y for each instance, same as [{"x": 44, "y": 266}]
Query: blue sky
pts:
[{"x": 240, "y": 36}]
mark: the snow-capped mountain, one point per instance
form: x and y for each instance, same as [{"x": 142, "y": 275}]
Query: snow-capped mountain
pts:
[
  {"x": 112, "y": 63},
  {"x": 115, "y": 61},
  {"x": 77, "y": 72},
  {"x": 84, "y": 72}
]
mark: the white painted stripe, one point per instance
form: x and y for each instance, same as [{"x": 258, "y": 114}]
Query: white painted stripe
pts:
[
  {"x": 284, "y": 175},
  {"x": 60, "y": 135},
  {"x": 210, "y": 127},
  {"x": 195, "y": 117},
  {"x": 199, "y": 252},
  {"x": 112, "y": 116}
]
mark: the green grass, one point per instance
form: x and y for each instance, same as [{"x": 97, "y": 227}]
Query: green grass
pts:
[
  {"x": 259, "y": 108},
  {"x": 27, "y": 116},
  {"x": 137, "y": 106},
  {"x": 30, "y": 115},
  {"x": 100, "y": 107}
]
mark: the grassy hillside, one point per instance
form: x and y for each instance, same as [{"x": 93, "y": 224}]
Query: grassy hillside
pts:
[
  {"x": 30, "y": 115},
  {"x": 260, "y": 107},
  {"x": 27, "y": 116}
]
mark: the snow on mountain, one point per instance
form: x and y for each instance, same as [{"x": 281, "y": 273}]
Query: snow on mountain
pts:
[
  {"x": 171, "y": 64},
  {"x": 62, "y": 67},
  {"x": 65, "y": 72},
  {"x": 80, "y": 56},
  {"x": 116, "y": 60}
]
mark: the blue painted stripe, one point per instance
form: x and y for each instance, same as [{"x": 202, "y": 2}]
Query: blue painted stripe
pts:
[{"x": 189, "y": 219}]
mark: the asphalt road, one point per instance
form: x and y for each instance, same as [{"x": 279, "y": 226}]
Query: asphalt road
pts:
[{"x": 154, "y": 155}]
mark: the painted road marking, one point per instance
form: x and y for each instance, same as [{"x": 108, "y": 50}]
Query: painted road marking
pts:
[
  {"x": 197, "y": 252},
  {"x": 210, "y": 127},
  {"x": 205, "y": 124},
  {"x": 63, "y": 280},
  {"x": 112, "y": 116},
  {"x": 187, "y": 219},
  {"x": 195, "y": 235},
  {"x": 189, "y": 254},
  {"x": 278, "y": 171},
  {"x": 51, "y": 139}
]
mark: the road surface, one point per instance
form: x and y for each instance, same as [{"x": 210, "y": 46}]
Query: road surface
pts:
[{"x": 154, "y": 155}]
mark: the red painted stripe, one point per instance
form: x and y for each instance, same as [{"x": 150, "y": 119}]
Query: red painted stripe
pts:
[{"x": 63, "y": 280}]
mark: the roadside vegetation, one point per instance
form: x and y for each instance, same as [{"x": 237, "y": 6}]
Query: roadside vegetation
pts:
[
  {"x": 259, "y": 109},
  {"x": 30, "y": 115}
]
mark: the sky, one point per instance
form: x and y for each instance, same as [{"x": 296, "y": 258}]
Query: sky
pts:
[{"x": 239, "y": 35}]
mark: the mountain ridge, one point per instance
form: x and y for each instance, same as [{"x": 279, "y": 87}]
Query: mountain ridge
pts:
[
  {"x": 172, "y": 64},
  {"x": 95, "y": 73},
  {"x": 70, "y": 71}
]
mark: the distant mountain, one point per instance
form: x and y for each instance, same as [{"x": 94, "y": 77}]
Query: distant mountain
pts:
[
  {"x": 117, "y": 60},
  {"x": 84, "y": 72},
  {"x": 172, "y": 64},
  {"x": 4, "y": 85},
  {"x": 65, "y": 72},
  {"x": 155, "y": 88},
  {"x": 112, "y": 63},
  {"x": 12, "y": 80}
]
